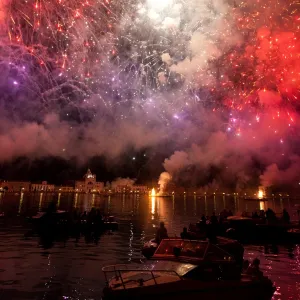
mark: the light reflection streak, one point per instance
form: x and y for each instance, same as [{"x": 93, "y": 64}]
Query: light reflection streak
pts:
[
  {"x": 58, "y": 200},
  {"x": 108, "y": 204},
  {"x": 152, "y": 207},
  {"x": 41, "y": 201},
  {"x": 262, "y": 205},
  {"x": 173, "y": 204},
  {"x": 93, "y": 200},
  {"x": 21, "y": 202},
  {"x": 123, "y": 203},
  {"x": 215, "y": 204},
  {"x": 76, "y": 200}
]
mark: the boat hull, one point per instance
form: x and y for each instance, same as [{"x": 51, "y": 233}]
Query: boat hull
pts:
[{"x": 193, "y": 289}]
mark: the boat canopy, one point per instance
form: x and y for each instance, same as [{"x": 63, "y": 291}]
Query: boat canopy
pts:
[{"x": 190, "y": 250}]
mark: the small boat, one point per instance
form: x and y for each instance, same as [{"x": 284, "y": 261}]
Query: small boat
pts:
[
  {"x": 163, "y": 195},
  {"x": 57, "y": 216},
  {"x": 257, "y": 199},
  {"x": 189, "y": 269},
  {"x": 249, "y": 230},
  {"x": 110, "y": 223},
  {"x": 294, "y": 235}
]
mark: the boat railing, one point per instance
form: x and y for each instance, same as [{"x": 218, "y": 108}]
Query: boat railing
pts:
[{"x": 118, "y": 270}]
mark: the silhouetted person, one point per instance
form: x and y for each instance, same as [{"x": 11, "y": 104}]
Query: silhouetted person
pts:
[
  {"x": 84, "y": 216},
  {"x": 270, "y": 215},
  {"x": 254, "y": 270},
  {"x": 285, "y": 216},
  {"x": 223, "y": 215},
  {"x": 255, "y": 215},
  {"x": 161, "y": 233},
  {"x": 99, "y": 224},
  {"x": 184, "y": 234},
  {"x": 213, "y": 219},
  {"x": 51, "y": 207}
]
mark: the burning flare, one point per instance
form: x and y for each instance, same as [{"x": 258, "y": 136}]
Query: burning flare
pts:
[{"x": 260, "y": 194}]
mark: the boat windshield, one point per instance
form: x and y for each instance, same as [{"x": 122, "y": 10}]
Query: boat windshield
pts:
[
  {"x": 169, "y": 247},
  {"x": 180, "y": 268},
  {"x": 187, "y": 250}
]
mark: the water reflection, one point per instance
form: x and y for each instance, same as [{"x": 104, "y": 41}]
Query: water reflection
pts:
[
  {"x": 108, "y": 203},
  {"x": 93, "y": 200},
  {"x": 21, "y": 202},
  {"x": 281, "y": 265},
  {"x": 262, "y": 205},
  {"x": 41, "y": 201},
  {"x": 76, "y": 200},
  {"x": 72, "y": 269},
  {"x": 58, "y": 200},
  {"x": 152, "y": 207}
]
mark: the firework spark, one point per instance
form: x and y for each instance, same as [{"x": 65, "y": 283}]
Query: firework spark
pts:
[{"x": 166, "y": 62}]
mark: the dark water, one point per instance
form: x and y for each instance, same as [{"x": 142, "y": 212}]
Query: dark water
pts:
[{"x": 73, "y": 270}]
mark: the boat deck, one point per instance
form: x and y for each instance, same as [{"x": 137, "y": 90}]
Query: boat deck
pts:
[{"x": 134, "y": 279}]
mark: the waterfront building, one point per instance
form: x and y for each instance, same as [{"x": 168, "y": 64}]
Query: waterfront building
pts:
[
  {"x": 42, "y": 187},
  {"x": 142, "y": 189},
  {"x": 89, "y": 184},
  {"x": 15, "y": 186},
  {"x": 126, "y": 189},
  {"x": 122, "y": 189},
  {"x": 64, "y": 189}
]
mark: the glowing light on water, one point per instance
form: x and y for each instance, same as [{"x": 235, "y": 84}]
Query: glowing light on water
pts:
[
  {"x": 21, "y": 202},
  {"x": 152, "y": 207},
  {"x": 153, "y": 193}
]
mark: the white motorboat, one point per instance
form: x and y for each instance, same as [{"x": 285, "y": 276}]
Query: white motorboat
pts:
[{"x": 185, "y": 268}]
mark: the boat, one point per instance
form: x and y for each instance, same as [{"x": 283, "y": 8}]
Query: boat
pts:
[
  {"x": 249, "y": 230},
  {"x": 294, "y": 235},
  {"x": 110, "y": 223},
  {"x": 257, "y": 199},
  {"x": 231, "y": 246},
  {"x": 61, "y": 219},
  {"x": 185, "y": 268},
  {"x": 57, "y": 216}
]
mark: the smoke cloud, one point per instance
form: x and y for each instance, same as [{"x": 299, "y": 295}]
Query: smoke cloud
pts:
[
  {"x": 163, "y": 180},
  {"x": 214, "y": 81},
  {"x": 236, "y": 161},
  {"x": 122, "y": 182}
]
